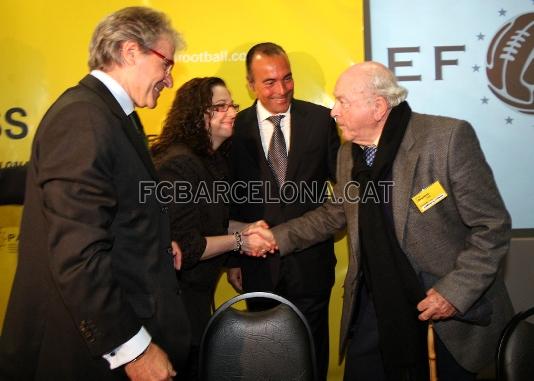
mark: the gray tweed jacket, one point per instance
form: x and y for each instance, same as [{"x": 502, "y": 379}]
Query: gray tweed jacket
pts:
[{"x": 460, "y": 241}]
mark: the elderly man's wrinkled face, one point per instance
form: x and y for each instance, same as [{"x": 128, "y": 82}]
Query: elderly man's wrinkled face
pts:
[
  {"x": 354, "y": 110},
  {"x": 272, "y": 82},
  {"x": 152, "y": 74}
]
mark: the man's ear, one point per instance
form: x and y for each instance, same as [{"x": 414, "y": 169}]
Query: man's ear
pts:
[
  {"x": 129, "y": 52},
  {"x": 380, "y": 108},
  {"x": 250, "y": 84}
]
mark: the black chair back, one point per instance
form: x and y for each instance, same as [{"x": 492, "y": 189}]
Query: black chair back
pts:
[
  {"x": 275, "y": 344},
  {"x": 515, "y": 354}
]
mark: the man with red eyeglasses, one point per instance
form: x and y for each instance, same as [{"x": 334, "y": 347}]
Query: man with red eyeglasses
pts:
[{"x": 95, "y": 295}]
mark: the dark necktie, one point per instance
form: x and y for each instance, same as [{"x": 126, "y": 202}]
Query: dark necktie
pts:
[
  {"x": 369, "y": 154},
  {"x": 138, "y": 126},
  {"x": 277, "y": 154}
]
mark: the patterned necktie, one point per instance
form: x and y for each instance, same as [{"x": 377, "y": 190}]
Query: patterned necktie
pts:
[
  {"x": 369, "y": 154},
  {"x": 138, "y": 126},
  {"x": 277, "y": 155}
]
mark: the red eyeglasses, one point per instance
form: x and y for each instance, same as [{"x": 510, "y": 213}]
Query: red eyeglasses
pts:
[{"x": 168, "y": 62}]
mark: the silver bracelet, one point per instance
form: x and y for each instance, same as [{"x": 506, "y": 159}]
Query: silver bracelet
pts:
[{"x": 238, "y": 241}]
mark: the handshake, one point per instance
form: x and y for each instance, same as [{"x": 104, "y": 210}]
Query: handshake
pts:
[{"x": 257, "y": 240}]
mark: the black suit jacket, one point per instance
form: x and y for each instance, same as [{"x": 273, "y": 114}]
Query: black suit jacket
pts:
[
  {"x": 311, "y": 163},
  {"x": 93, "y": 262}
]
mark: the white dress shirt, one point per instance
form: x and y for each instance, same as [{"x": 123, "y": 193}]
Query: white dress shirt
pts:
[{"x": 267, "y": 128}]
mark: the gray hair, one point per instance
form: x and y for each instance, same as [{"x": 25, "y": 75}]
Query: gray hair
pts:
[
  {"x": 383, "y": 83},
  {"x": 140, "y": 24}
]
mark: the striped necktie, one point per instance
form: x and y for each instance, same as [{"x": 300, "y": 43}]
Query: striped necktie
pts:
[
  {"x": 369, "y": 154},
  {"x": 277, "y": 154}
]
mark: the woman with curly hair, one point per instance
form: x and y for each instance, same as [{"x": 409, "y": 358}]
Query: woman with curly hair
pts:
[{"x": 191, "y": 154}]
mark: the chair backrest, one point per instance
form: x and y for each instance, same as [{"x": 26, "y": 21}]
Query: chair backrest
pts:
[
  {"x": 515, "y": 354},
  {"x": 275, "y": 344}
]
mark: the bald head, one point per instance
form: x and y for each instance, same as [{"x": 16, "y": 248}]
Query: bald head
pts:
[
  {"x": 368, "y": 67},
  {"x": 365, "y": 94},
  {"x": 375, "y": 79}
]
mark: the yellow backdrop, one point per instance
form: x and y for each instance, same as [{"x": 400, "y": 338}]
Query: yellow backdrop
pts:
[{"x": 44, "y": 49}]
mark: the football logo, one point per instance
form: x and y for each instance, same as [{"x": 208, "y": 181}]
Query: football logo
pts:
[{"x": 510, "y": 63}]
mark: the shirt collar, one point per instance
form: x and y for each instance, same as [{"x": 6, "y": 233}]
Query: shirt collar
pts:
[
  {"x": 116, "y": 90},
  {"x": 263, "y": 113}
]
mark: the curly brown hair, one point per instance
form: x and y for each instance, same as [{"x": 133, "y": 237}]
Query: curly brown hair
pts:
[{"x": 185, "y": 123}]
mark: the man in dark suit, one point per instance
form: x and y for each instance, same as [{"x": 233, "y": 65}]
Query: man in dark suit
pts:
[
  {"x": 95, "y": 295},
  {"x": 427, "y": 233},
  {"x": 309, "y": 141}
]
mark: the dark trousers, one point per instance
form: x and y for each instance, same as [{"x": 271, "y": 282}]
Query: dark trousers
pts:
[
  {"x": 190, "y": 373},
  {"x": 363, "y": 361},
  {"x": 315, "y": 310}
]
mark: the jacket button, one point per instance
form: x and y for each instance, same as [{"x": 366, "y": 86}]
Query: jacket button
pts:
[{"x": 169, "y": 250}]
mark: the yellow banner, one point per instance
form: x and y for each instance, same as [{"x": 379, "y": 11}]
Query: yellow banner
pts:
[{"x": 44, "y": 50}]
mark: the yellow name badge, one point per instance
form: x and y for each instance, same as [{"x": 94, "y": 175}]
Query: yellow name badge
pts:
[{"x": 429, "y": 197}]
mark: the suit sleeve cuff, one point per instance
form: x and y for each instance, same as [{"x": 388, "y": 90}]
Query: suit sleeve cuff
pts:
[{"x": 126, "y": 352}]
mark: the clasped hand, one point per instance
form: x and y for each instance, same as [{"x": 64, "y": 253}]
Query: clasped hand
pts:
[
  {"x": 258, "y": 240},
  {"x": 435, "y": 307}
]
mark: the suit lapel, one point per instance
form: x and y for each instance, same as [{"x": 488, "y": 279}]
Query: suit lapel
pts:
[
  {"x": 351, "y": 211},
  {"x": 252, "y": 142},
  {"x": 251, "y": 135},
  {"x": 346, "y": 163},
  {"x": 139, "y": 145},
  {"x": 298, "y": 140},
  {"x": 403, "y": 176},
  {"x": 135, "y": 138}
]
